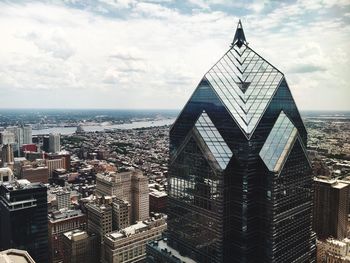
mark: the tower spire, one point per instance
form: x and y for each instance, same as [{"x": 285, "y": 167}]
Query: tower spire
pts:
[{"x": 239, "y": 38}]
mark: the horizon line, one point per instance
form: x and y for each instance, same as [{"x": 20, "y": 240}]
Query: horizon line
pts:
[{"x": 147, "y": 109}]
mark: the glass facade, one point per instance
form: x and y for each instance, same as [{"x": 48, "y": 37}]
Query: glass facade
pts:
[
  {"x": 239, "y": 177},
  {"x": 278, "y": 143}
]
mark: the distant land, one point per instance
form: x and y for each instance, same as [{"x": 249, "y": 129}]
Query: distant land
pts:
[{"x": 50, "y": 118}]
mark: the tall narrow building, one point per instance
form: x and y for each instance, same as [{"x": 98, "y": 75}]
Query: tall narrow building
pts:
[
  {"x": 331, "y": 204},
  {"x": 54, "y": 143},
  {"x": 240, "y": 186},
  {"x": 23, "y": 218}
]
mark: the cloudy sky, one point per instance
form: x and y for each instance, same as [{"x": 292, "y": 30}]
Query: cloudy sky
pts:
[{"x": 152, "y": 54}]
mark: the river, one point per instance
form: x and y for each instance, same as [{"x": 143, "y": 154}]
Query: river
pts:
[{"x": 93, "y": 128}]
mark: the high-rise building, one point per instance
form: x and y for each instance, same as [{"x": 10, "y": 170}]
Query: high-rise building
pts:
[
  {"x": 54, "y": 143},
  {"x": 100, "y": 222},
  {"x": 80, "y": 247},
  {"x": 59, "y": 223},
  {"x": 55, "y": 164},
  {"x": 129, "y": 186},
  {"x": 63, "y": 200},
  {"x": 7, "y": 156},
  {"x": 46, "y": 144},
  {"x": 7, "y": 137},
  {"x": 99, "y": 219},
  {"x": 121, "y": 214},
  {"x": 140, "y": 197},
  {"x": 330, "y": 214},
  {"x": 22, "y": 135},
  {"x": 27, "y": 135},
  {"x": 62, "y": 154},
  {"x": 240, "y": 185},
  {"x": 23, "y": 218}
]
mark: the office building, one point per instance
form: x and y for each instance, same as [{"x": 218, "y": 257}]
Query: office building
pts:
[
  {"x": 15, "y": 256},
  {"x": 27, "y": 135},
  {"x": 7, "y": 156},
  {"x": 80, "y": 247},
  {"x": 46, "y": 144},
  {"x": 129, "y": 186},
  {"x": 100, "y": 222},
  {"x": 121, "y": 214},
  {"x": 330, "y": 214},
  {"x": 7, "y": 137},
  {"x": 22, "y": 135},
  {"x": 63, "y": 200},
  {"x": 54, "y": 143},
  {"x": 129, "y": 244},
  {"x": 99, "y": 219},
  {"x": 59, "y": 223},
  {"x": 23, "y": 218},
  {"x": 39, "y": 174},
  {"x": 240, "y": 185},
  {"x": 157, "y": 201},
  {"x": 62, "y": 154},
  {"x": 55, "y": 164}
]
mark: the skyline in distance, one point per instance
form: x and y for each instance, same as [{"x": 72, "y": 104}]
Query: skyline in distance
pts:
[{"x": 144, "y": 55}]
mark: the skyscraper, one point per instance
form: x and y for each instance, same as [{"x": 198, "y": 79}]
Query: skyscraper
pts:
[
  {"x": 22, "y": 135},
  {"x": 54, "y": 143},
  {"x": 130, "y": 186},
  {"x": 23, "y": 218},
  {"x": 330, "y": 213},
  {"x": 27, "y": 135},
  {"x": 240, "y": 186}
]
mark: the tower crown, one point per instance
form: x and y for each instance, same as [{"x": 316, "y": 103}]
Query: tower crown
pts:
[{"x": 239, "y": 38}]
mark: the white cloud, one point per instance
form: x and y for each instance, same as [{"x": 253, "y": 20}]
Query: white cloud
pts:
[{"x": 153, "y": 56}]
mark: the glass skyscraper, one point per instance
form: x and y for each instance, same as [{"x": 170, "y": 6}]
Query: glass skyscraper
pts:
[{"x": 240, "y": 185}]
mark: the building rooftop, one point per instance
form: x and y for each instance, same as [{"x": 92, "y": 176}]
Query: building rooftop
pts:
[
  {"x": 128, "y": 231},
  {"x": 21, "y": 184},
  {"x": 15, "y": 256},
  {"x": 333, "y": 182},
  {"x": 62, "y": 215},
  {"x": 162, "y": 246},
  {"x": 76, "y": 235},
  {"x": 157, "y": 193}
]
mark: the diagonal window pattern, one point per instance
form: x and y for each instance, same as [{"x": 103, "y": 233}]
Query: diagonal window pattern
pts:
[
  {"x": 279, "y": 143},
  {"x": 245, "y": 82},
  {"x": 213, "y": 140}
]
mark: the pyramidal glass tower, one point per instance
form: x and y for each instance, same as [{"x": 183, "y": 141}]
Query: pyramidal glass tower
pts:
[{"x": 239, "y": 177}]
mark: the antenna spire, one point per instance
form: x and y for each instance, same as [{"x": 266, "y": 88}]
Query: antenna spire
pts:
[{"x": 239, "y": 38}]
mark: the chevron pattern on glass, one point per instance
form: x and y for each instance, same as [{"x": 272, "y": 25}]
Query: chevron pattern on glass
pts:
[
  {"x": 213, "y": 140},
  {"x": 246, "y": 83},
  {"x": 279, "y": 143}
]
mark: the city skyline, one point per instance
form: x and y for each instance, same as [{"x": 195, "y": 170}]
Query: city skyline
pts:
[{"x": 140, "y": 51}]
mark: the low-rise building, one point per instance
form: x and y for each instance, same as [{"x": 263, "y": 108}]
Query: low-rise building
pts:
[{"x": 129, "y": 244}]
